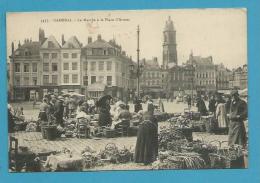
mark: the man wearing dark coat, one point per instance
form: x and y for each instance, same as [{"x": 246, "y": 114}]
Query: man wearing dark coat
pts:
[
  {"x": 212, "y": 104},
  {"x": 138, "y": 106},
  {"x": 146, "y": 149},
  {"x": 237, "y": 131},
  {"x": 59, "y": 109},
  {"x": 104, "y": 113},
  {"x": 201, "y": 106},
  {"x": 189, "y": 101},
  {"x": 237, "y": 115}
]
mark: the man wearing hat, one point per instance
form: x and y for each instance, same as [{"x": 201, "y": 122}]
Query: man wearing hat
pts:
[
  {"x": 59, "y": 109},
  {"x": 237, "y": 131},
  {"x": 201, "y": 106},
  {"x": 238, "y": 113}
]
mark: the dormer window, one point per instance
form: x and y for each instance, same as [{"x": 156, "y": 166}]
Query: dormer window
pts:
[{"x": 50, "y": 44}]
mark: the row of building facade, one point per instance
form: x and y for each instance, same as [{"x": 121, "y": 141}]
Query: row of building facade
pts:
[
  {"x": 39, "y": 67},
  {"x": 197, "y": 74}
]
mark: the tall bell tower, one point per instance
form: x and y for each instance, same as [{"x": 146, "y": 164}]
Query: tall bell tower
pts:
[{"x": 169, "y": 45}]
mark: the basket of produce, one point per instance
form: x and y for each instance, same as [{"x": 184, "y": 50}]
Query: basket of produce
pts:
[
  {"x": 198, "y": 126},
  {"x": 31, "y": 127},
  {"x": 43, "y": 125},
  {"x": 91, "y": 159},
  {"x": 187, "y": 133},
  {"x": 110, "y": 153},
  {"x": 50, "y": 132},
  {"x": 176, "y": 145},
  {"x": 20, "y": 125},
  {"x": 125, "y": 155},
  {"x": 109, "y": 133},
  {"x": 218, "y": 161},
  {"x": 173, "y": 160},
  {"x": 210, "y": 123},
  {"x": 168, "y": 135}
]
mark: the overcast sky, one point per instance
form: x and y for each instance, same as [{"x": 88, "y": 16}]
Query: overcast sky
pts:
[{"x": 221, "y": 33}]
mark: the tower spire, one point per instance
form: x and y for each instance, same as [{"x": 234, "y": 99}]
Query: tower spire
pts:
[{"x": 169, "y": 44}]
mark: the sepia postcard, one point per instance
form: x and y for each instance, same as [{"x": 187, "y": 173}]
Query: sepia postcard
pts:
[{"x": 127, "y": 90}]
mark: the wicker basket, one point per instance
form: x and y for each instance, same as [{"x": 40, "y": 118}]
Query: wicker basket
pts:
[
  {"x": 50, "y": 132},
  {"x": 219, "y": 162},
  {"x": 209, "y": 122},
  {"x": 109, "y": 133}
]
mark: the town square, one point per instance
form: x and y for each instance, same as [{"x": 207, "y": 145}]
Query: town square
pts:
[{"x": 105, "y": 97}]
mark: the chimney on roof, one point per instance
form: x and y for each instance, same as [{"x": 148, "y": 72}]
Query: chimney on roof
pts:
[
  {"x": 89, "y": 39},
  {"x": 30, "y": 40},
  {"x": 123, "y": 53},
  {"x": 99, "y": 37},
  {"x": 41, "y": 36},
  {"x": 12, "y": 47},
  {"x": 19, "y": 44},
  {"x": 62, "y": 40}
]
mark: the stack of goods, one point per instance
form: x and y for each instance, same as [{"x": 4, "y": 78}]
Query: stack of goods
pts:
[
  {"x": 224, "y": 156},
  {"x": 136, "y": 119},
  {"x": 176, "y": 145},
  {"x": 20, "y": 125},
  {"x": 182, "y": 122},
  {"x": 210, "y": 123},
  {"x": 91, "y": 159},
  {"x": 201, "y": 148},
  {"x": 167, "y": 135},
  {"x": 125, "y": 155},
  {"x": 24, "y": 161},
  {"x": 192, "y": 115},
  {"x": 160, "y": 116},
  {"x": 198, "y": 126},
  {"x": 32, "y": 126},
  {"x": 113, "y": 154},
  {"x": 173, "y": 160},
  {"x": 109, "y": 133},
  {"x": 66, "y": 160},
  {"x": 70, "y": 128}
]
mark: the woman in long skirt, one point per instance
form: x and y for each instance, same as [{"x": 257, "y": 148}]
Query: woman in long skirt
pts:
[{"x": 146, "y": 149}]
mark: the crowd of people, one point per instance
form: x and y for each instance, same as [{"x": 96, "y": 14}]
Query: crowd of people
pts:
[{"x": 229, "y": 112}]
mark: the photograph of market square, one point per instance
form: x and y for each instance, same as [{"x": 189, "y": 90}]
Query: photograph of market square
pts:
[{"x": 127, "y": 90}]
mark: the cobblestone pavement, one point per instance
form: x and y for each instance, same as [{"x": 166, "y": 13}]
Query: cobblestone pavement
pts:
[{"x": 36, "y": 143}]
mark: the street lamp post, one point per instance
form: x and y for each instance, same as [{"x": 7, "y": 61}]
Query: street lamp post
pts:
[
  {"x": 138, "y": 67},
  {"x": 138, "y": 72}
]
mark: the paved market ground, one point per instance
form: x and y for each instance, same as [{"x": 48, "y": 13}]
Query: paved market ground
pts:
[{"x": 36, "y": 143}]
